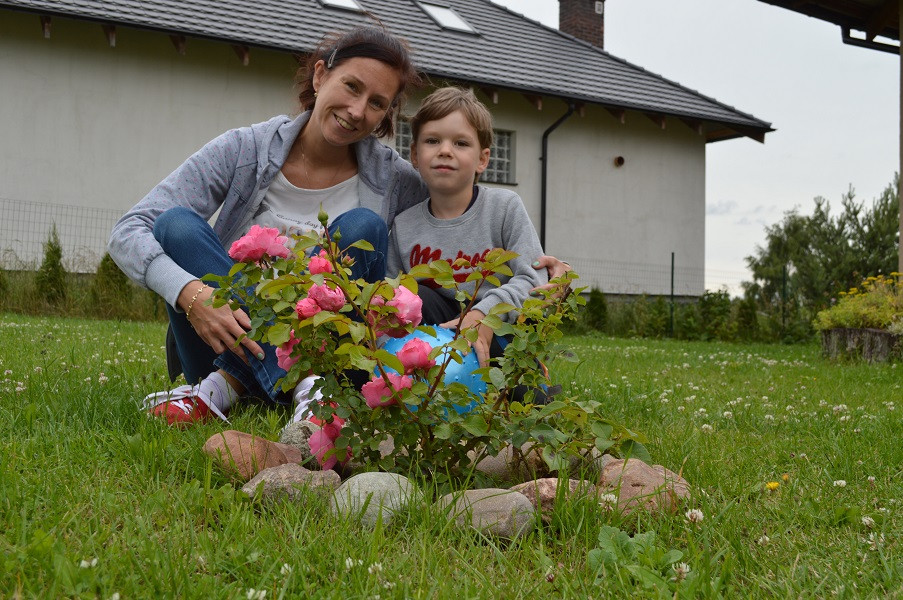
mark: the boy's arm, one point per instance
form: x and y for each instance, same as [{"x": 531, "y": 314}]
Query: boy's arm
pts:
[
  {"x": 393, "y": 257},
  {"x": 518, "y": 235}
]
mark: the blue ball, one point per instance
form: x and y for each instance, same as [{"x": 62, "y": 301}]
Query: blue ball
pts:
[{"x": 456, "y": 372}]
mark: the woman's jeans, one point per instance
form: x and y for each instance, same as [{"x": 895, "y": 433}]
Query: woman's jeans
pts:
[{"x": 190, "y": 241}]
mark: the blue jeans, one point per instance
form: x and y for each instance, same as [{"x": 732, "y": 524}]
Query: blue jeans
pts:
[{"x": 193, "y": 245}]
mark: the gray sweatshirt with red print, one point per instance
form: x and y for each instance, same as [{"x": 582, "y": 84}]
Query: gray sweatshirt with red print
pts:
[{"x": 497, "y": 219}]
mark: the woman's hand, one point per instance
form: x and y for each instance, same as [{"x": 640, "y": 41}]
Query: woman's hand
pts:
[
  {"x": 218, "y": 327},
  {"x": 484, "y": 334},
  {"x": 556, "y": 268}
]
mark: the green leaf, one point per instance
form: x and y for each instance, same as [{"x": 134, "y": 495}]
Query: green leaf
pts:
[
  {"x": 556, "y": 461},
  {"x": 443, "y": 431},
  {"x": 601, "y": 430},
  {"x": 389, "y": 359},
  {"x": 501, "y": 308},
  {"x": 362, "y": 244},
  {"x": 647, "y": 577},
  {"x": 357, "y": 331},
  {"x": 475, "y": 425},
  {"x": 633, "y": 449},
  {"x": 279, "y": 333},
  {"x": 497, "y": 378}
]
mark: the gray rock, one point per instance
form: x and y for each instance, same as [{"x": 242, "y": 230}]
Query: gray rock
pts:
[
  {"x": 286, "y": 480},
  {"x": 297, "y": 434},
  {"x": 639, "y": 485},
  {"x": 370, "y": 495},
  {"x": 493, "y": 511},
  {"x": 243, "y": 455},
  {"x": 504, "y": 466}
]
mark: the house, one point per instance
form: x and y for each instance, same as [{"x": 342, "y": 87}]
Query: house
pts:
[{"x": 100, "y": 100}]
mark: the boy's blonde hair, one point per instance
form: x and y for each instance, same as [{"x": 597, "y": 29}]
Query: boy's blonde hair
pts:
[{"x": 447, "y": 100}]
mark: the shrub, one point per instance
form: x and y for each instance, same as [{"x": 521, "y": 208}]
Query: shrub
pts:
[
  {"x": 715, "y": 315},
  {"x": 595, "y": 313},
  {"x": 51, "y": 277},
  {"x": 111, "y": 291},
  {"x": 747, "y": 319},
  {"x": 4, "y": 286},
  {"x": 877, "y": 303}
]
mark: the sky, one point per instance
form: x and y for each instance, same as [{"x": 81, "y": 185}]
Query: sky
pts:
[{"x": 835, "y": 108}]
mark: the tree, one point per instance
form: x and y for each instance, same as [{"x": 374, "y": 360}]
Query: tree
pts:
[
  {"x": 51, "y": 277},
  {"x": 807, "y": 260}
]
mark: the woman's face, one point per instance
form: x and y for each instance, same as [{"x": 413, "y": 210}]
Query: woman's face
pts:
[{"x": 352, "y": 98}]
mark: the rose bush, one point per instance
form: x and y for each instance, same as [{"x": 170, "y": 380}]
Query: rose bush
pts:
[{"x": 323, "y": 321}]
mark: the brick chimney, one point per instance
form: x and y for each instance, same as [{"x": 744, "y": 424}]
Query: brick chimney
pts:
[{"x": 583, "y": 19}]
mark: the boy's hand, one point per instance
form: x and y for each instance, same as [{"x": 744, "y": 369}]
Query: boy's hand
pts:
[{"x": 484, "y": 335}]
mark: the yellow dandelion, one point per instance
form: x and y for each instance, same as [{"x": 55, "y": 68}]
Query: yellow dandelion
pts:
[
  {"x": 772, "y": 485},
  {"x": 785, "y": 477}
]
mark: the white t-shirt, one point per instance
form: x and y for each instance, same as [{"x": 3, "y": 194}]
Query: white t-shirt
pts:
[{"x": 293, "y": 210}]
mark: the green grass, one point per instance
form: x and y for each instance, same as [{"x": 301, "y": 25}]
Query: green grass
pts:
[{"x": 84, "y": 475}]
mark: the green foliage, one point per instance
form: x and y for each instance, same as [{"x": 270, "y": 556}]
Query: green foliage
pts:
[
  {"x": 715, "y": 314},
  {"x": 111, "y": 290},
  {"x": 4, "y": 286},
  {"x": 51, "y": 278},
  {"x": 417, "y": 409},
  {"x": 639, "y": 559},
  {"x": 876, "y": 303},
  {"x": 595, "y": 315},
  {"x": 808, "y": 259},
  {"x": 747, "y": 319}
]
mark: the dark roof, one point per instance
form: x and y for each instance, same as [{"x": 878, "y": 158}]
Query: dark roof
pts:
[
  {"x": 873, "y": 17},
  {"x": 510, "y": 51}
]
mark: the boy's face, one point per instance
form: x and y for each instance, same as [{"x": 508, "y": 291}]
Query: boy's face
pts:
[{"x": 448, "y": 155}]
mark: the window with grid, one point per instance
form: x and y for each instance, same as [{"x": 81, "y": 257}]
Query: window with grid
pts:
[{"x": 501, "y": 155}]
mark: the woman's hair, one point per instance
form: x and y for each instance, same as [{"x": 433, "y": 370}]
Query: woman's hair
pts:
[
  {"x": 361, "y": 42},
  {"x": 447, "y": 100}
]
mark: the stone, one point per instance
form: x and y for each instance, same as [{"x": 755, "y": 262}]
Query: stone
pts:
[
  {"x": 504, "y": 467},
  {"x": 288, "y": 479},
  {"x": 542, "y": 492},
  {"x": 641, "y": 486},
  {"x": 245, "y": 455},
  {"x": 297, "y": 434},
  {"x": 492, "y": 511},
  {"x": 372, "y": 496}
]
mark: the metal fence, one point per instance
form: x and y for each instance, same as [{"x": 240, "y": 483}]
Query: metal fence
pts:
[{"x": 25, "y": 227}]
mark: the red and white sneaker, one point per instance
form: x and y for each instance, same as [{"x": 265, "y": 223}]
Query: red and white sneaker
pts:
[{"x": 181, "y": 407}]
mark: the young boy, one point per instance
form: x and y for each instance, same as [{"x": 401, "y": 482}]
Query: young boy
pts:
[{"x": 451, "y": 137}]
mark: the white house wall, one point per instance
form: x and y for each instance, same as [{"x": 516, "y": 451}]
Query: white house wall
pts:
[{"x": 89, "y": 129}]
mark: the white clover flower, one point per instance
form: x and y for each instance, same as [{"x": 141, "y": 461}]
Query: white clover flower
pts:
[
  {"x": 694, "y": 515},
  {"x": 102, "y": 379},
  {"x": 115, "y": 596},
  {"x": 38, "y": 369},
  {"x": 762, "y": 541},
  {"x": 681, "y": 570},
  {"x": 871, "y": 479},
  {"x": 706, "y": 428},
  {"x": 608, "y": 501},
  {"x": 680, "y": 409},
  {"x": 840, "y": 408},
  {"x": 875, "y": 541},
  {"x": 375, "y": 568},
  {"x": 727, "y": 414},
  {"x": 88, "y": 564},
  {"x": 388, "y": 585},
  {"x": 253, "y": 594},
  {"x": 286, "y": 569},
  {"x": 769, "y": 417},
  {"x": 840, "y": 483},
  {"x": 845, "y": 418},
  {"x": 349, "y": 563}
]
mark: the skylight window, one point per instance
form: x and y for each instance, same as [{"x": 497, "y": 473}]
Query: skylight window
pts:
[
  {"x": 446, "y": 17},
  {"x": 346, "y": 4}
]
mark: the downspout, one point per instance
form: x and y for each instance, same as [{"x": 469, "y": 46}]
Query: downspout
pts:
[{"x": 544, "y": 177}]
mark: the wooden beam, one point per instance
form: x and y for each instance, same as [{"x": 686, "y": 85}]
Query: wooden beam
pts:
[
  {"x": 727, "y": 133},
  {"x": 178, "y": 42},
  {"x": 693, "y": 124},
  {"x": 491, "y": 93},
  {"x": 880, "y": 18},
  {"x": 45, "y": 26},
  {"x": 110, "y": 32},
  {"x": 618, "y": 113},
  {"x": 534, "y": 100},
  {"x": 657, "y": 119},
  {"x": 243, "y": 53}
]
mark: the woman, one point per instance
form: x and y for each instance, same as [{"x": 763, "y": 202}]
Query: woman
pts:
[{"x": 275, "y": 173}]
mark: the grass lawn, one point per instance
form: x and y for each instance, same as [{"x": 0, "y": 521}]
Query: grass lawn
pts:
[{"x": 97, "y": 501}]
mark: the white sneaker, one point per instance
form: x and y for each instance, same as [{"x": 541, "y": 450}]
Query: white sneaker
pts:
[{"x": 304, "y": 398}]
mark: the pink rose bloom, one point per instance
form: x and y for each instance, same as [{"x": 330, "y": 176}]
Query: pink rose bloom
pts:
[
  {"x": 259, "y": 241},
  {"x": 320, "y": 444},
  {"x": 326, "y": 298},
  {"x": 409, "y": 306},
  {"x": 377, "y": 393},
  {"x": 306, "y": 308},
  {"x": 284, "y": 353},
  {"x": 319, "y": 264},
  {"x": 415, "y": 355}
]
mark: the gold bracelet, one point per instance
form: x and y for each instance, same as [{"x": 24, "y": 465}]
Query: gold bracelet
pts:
[{"x": 191, "y": 304}]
